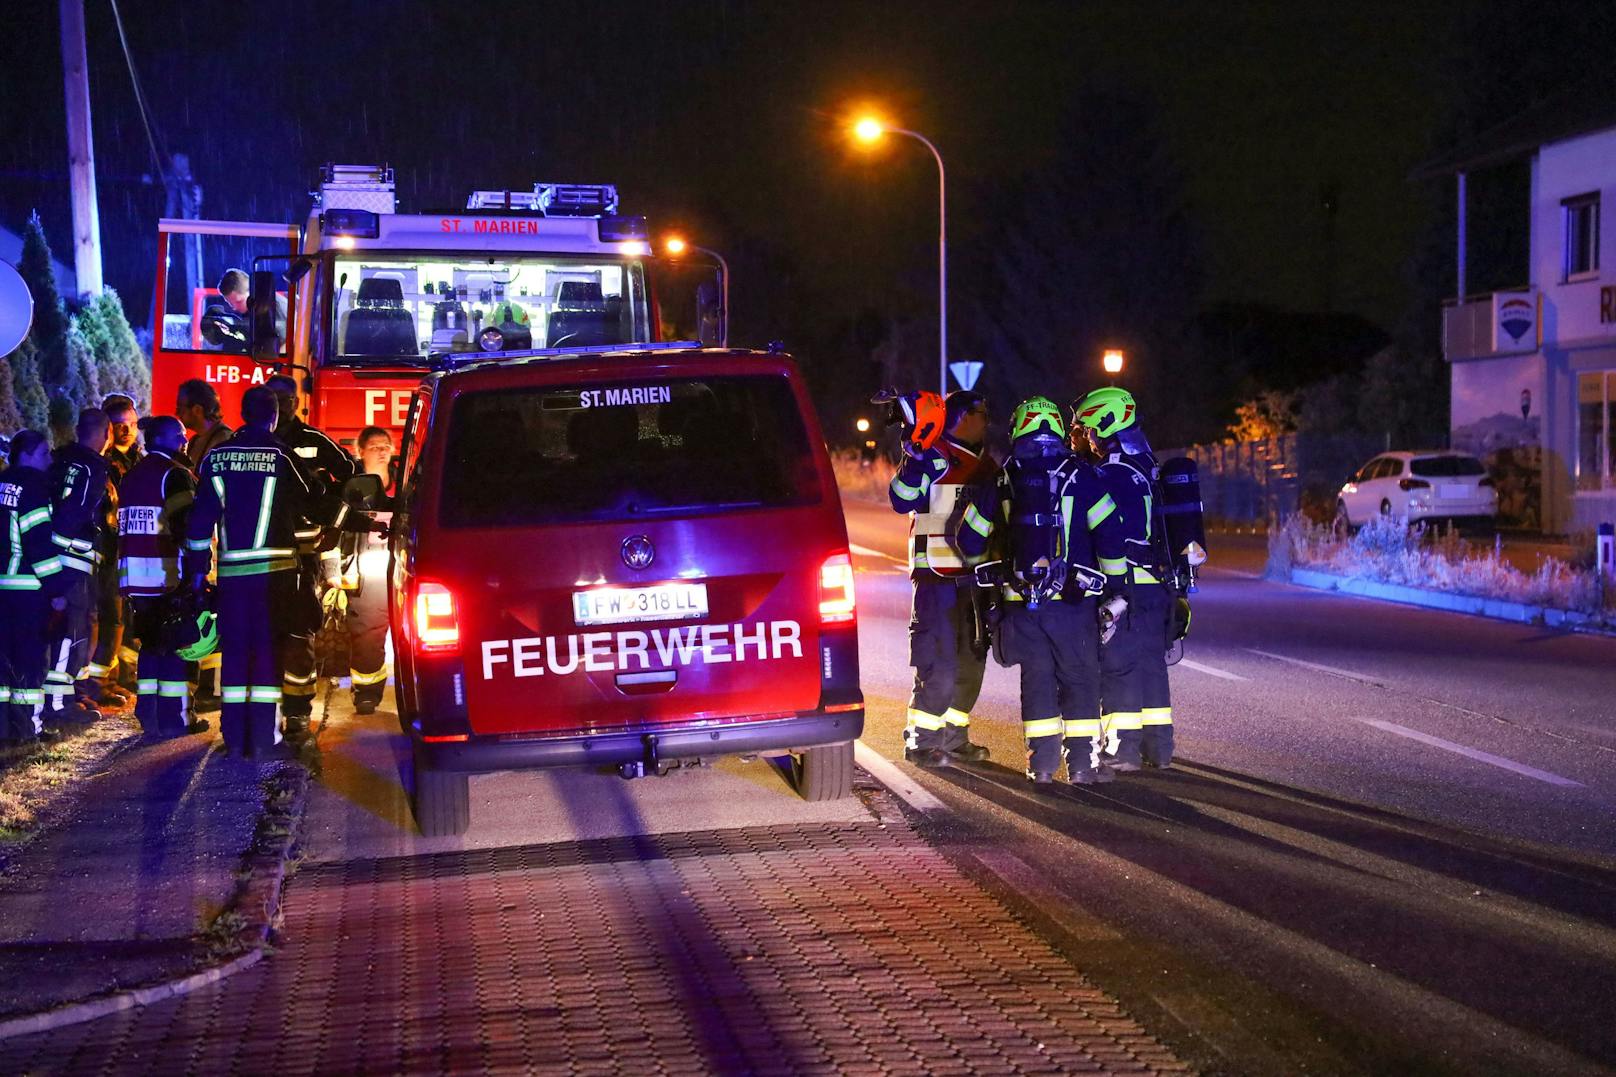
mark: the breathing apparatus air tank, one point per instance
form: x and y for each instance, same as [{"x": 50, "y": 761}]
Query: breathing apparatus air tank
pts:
[{"x": 1182, "y": 516}]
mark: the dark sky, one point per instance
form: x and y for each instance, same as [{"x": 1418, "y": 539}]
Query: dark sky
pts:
[{"x": 723, "y": 118}]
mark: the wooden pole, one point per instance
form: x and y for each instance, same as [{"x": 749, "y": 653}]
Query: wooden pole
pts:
[{"x": 80, "y": 151}]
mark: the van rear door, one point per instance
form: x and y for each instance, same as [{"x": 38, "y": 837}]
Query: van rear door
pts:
[{"x": 649, "y": 549}]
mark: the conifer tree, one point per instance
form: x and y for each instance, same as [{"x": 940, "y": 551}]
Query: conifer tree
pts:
[
  {"x": 28, "y": 391},
  {"x": 49, "y": 332}
]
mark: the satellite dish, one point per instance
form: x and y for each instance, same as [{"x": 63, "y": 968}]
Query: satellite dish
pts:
[{"x": 16, "y": 309}]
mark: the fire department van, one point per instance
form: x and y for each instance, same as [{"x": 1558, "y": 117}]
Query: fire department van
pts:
[
  {"x": 632, "y": 559},
  {"x": 363, "y": 300}
]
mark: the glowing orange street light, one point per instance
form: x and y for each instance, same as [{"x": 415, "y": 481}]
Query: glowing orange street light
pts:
[
  {"x": 869, "y": 129},
  {"x": 674, "y": 245},
  {"x": 863, "y": 426},
  {"x": 1112, "y": 361}
]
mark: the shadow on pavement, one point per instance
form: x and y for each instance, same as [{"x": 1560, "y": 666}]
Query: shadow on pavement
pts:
[{"x": 1524, "y": 934}]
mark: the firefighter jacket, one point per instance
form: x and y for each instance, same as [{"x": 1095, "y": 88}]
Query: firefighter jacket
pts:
[
  {"x": 1130, "y": 482},
  {"x": 29, "y": 557},
  {"x": 316, "y": 454},
  {"x": 120, "y": 463},
  {"x": 152, "y": 503},
  {"x": 80, "y": 505},
  {"x": 934, "y": 489},
  {"x": 252, "y": 494},
  {"x": 1092, "y": 533},
  {"x": 205, "y": 442},
  {"x": 359, "y": 560}
]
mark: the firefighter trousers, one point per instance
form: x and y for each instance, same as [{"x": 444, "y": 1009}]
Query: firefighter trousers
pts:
[
  {"x": 163, "y": 678},
  {"x": 70, "y": 646},
  {"x": 253, "y": 613},
  {"x": 367, "y": 641},
  {"x": 107, "y": 638},
  {"x": 23, "y": 660},
  {"x": 947, "y": 661},
  {"x": 1056, "y": 647},
  {"x": 300, "y": 679},
  {"x": 1137, "y": 709}
]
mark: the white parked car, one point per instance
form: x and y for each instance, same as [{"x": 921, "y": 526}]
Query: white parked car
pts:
[{"x": 1416, "y": 486}]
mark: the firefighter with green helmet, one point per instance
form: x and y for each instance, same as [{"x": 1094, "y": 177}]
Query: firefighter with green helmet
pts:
[
  {"x": 1050, "y": 525},
  {"x": 1137, "y": 710}
]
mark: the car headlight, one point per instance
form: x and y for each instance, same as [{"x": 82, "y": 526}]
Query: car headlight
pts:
[{"x": 491, "y": 340}]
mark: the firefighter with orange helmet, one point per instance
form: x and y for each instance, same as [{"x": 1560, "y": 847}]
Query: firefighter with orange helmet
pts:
[{"x": 944, "y": 459}]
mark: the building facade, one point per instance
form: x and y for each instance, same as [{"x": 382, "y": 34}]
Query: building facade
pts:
[{"x": 1534, "y": 367}]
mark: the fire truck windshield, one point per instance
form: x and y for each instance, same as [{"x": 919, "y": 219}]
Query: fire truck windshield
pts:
[{"x": 398, "y": 307}]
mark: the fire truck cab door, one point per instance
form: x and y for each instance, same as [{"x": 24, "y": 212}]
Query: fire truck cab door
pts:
[{"x": 199, "y": 333}]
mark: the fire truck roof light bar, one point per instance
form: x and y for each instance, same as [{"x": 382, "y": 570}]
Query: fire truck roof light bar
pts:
[{"x": 552, "y": 199}]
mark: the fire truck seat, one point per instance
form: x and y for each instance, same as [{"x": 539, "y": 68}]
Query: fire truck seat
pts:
[
  {"x": 583, "y": 317},
  {"x": 380, "y": 324}
]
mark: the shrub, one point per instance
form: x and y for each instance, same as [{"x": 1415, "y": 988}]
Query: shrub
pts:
[
  {"x": 865, "y": 481},
  {"x": 1388, "y": 551}
]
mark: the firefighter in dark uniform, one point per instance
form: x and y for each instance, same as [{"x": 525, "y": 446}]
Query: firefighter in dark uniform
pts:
[
  {"x": 122, "y": 454},
  {"x": 1137, "y": 709},
  {"x": 356, "y": 574},
  {"x": 933, "y": 486},
  {"x": 31, "y": 579},
  {"x": 253, "y": 496},
  {"x": 1055, "y": 524},
  {"x": 154, "y": 499},
  {"x": 325, "y": 467},
  {"x": 78, "y": 483}
]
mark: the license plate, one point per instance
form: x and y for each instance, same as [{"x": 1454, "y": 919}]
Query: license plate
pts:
[
  {"x": 1453, "y": 490},
  {"x": 662, "y": 602}
]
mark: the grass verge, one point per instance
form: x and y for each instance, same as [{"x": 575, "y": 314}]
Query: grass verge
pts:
[{"x": 34, "y": 776}]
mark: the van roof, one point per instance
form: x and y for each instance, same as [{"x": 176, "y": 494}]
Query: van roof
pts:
[{"x": 610, "y": 360}]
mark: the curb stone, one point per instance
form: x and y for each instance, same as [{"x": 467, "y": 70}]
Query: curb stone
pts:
[
  {"x": 258, "y": 898},
  {"x": 1496, "y": 608}
]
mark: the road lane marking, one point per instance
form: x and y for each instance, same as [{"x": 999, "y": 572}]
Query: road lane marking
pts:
[
  {"x": 894, "y": 779},
  {"x": 1335, "y": 670},
  {"x": 1472, "y": 753},
  {"x": 1212, "y": 670},
  {"x": 866, "y": 551}
]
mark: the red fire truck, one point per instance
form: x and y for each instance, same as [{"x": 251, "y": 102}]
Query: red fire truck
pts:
[{"x": 362, "y": 301}]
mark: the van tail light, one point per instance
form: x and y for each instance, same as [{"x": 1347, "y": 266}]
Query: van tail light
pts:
[
  {"x": 437, "y": 622},
  {"x": 1487, "y": 482},
  {"x": 1413, "y": 484},
  {"x": 836, "y": 604}
]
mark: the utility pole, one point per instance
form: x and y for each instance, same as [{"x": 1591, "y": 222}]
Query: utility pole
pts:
[
  {"x": 80, "y": 151},
  {"x": 184, "y": 199}
]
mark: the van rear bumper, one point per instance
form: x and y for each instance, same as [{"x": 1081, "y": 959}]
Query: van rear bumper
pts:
[{"x": 485, "y": 754}]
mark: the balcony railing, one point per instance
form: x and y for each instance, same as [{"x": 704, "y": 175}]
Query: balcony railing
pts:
[{"x": 1492, "y": 323}]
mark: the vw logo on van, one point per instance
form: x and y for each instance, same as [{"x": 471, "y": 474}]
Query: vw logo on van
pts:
[{"x": 638, "y": 552}]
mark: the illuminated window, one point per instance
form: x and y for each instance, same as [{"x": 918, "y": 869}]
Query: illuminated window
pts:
[
  {"x": 1596, "y": 430},
  {"x": 1581, "y": 235}
]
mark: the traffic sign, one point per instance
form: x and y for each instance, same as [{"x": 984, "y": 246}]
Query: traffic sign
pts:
[
  {"x": 965, "y": 373},
  {"x": 16, "y": 309}
]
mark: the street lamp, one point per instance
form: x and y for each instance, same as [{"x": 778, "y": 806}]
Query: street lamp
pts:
[
  {"x": 1112, "y": 361},
  {"x": 674, "y": 246},
  {"x": 863, "y": 426},
  {"x": 868, "y": 130}
]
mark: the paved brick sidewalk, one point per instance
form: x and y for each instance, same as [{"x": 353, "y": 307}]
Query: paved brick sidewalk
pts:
[
  {"x": 114, "y": 892},
  {"x": 826, "y": 948}
]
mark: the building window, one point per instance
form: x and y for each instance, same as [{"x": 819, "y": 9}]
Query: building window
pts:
[
  {"x": 1596, "y": 430},
  {"x": 1581, "y": 235}
]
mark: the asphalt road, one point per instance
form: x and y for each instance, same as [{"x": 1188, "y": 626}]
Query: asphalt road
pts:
[{"x": 1388, "y": 847}]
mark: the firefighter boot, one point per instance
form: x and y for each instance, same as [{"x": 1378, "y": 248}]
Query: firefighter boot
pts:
[{"x": 957, "y": 738}]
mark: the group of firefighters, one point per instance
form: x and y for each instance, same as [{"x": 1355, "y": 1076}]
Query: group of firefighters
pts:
[
  {"x": 1059, "y": 563},
  {"x": 223, "y": 550}
]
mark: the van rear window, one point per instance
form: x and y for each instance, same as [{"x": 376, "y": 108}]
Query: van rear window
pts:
[
  {"x": 624, "y": 450},
  {"x": 1446, "y": 467}
]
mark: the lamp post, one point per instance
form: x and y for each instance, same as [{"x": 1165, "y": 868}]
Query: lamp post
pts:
[
  {"x": 674, "y": 246},
  {"x": 1112, "y": 361},
  {"x": 869, "y": 130}
]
